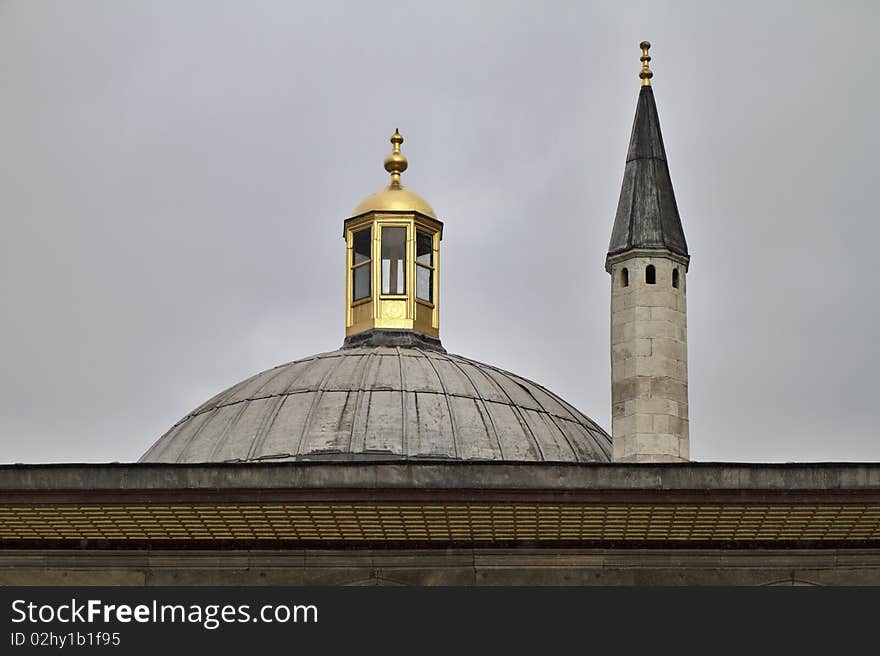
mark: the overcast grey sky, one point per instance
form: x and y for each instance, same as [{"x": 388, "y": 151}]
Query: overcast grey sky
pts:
[{"x": 174, "y": 177}]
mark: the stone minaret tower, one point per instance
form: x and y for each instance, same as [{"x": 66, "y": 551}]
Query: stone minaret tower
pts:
[{"x": 648, "y": 259}]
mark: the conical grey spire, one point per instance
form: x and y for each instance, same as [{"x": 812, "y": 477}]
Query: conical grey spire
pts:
[{"x": 647, "y": 215}]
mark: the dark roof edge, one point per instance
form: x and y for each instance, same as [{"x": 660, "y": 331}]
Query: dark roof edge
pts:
[
  {"x": 421, "y": 215},
  {"x": 628, "y": 253},
  {"x": 391, "y": 337},
  {"x": 488, "y": 475}
]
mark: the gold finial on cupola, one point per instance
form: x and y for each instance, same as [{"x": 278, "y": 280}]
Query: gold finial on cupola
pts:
[
  {"x": 646, "y": 73},
  {"x": 394, "y": 196},
  {"x": 396, "y": 163}
]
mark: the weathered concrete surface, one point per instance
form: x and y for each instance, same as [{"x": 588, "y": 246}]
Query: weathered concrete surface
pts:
[
  {"x": 383, "y": 402},
  {"x": 458, "y": 567},
  {"x": 442, "y": 475}
]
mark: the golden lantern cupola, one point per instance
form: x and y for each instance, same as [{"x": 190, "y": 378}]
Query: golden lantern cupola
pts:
[{"x": 393, "y": 265}]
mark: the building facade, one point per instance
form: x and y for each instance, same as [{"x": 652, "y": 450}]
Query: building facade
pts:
[{"x": 393, "y": 462}]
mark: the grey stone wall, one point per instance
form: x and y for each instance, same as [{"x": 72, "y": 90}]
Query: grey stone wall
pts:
[
  {"x": 649, "y": 361},
  {"x": 455, "y": 567}
]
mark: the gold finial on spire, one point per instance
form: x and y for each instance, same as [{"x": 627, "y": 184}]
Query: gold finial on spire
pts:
[
  {"x": 395, "y": 163},
  {"x": 646, "y": 73}
]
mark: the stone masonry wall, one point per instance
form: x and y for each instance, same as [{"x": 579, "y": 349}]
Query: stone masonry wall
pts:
[
  {"x": 649, "y": 363},
  {"x": 522, "y": 566}
]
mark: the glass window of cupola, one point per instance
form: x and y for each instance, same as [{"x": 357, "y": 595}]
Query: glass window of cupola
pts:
[
  {"x": 425, "y": 266},
  {"x": 393, "y": 261},
  {"x": 362, "y": 243}
]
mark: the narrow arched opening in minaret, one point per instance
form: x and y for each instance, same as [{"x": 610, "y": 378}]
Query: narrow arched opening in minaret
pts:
[
  {"x": 624, "y": 277},
  {"x": 651, "y": 275},
  {"x": 675, "y": 277}
]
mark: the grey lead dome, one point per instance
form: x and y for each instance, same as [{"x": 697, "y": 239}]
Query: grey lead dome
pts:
[{"x": 384, "y": 403}]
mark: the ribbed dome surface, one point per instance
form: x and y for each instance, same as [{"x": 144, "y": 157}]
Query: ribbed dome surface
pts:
[
  {"x": 394, "y": 199},
  {"x": 384, "y": 403}
]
